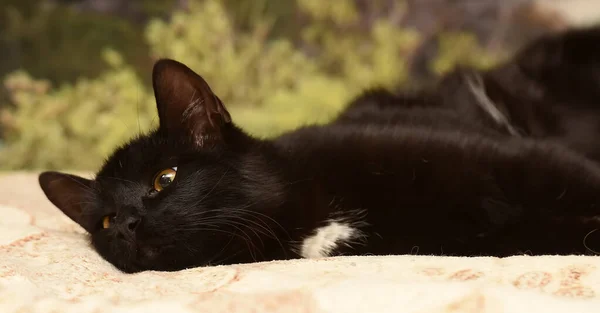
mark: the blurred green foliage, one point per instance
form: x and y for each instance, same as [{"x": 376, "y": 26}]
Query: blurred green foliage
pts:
[
  {"x": 272, "y": 78},
  {"x": 73, "y": 126},
  {"x": 60, "y": 44}
]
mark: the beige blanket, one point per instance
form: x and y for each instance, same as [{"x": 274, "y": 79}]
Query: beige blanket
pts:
[{"x": 46, "y": 265}]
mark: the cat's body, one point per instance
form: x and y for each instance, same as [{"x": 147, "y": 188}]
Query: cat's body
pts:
[
  {"x": 444, "y": 192},
  {"x": 381, "y": 107},
  {"x": 199, "y": 191},
  {"x": 548, "y": 91}
]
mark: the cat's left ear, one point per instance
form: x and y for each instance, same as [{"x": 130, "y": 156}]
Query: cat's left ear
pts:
[
  {"x": 186, "y": 104},
  {"x": 69, "y": 193}
]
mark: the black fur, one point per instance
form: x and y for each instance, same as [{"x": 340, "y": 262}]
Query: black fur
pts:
[
  {"x": 423, "y": 179},
  {"x": 548, "y": 91}
]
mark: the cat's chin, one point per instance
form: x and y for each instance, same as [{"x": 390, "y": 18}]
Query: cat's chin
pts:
[
  {"x": 154, "y": 258},
  {"x": 136, "y": 254},
  {"x": 145, "y": 260},
  {"x": 149, "y": 257},
  {"x": 148, "y": 253},
  {"x": 126, "y": 254}
]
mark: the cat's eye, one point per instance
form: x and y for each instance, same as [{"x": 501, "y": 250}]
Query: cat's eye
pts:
[
  {"x": 107, "y": 221},
  {"x": 164, "y": 178}
]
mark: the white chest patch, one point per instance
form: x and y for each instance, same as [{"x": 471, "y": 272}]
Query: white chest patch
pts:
[{"x": 326, "y": 239}]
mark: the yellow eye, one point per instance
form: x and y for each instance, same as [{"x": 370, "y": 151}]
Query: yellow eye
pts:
[
  {"x": 107, "y": 220},
  {"x": 164, "y": 178}
]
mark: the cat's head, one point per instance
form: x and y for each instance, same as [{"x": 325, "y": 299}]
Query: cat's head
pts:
[
  {"x": 195, "y": 191},
  {"x": 564, "y": 65}
]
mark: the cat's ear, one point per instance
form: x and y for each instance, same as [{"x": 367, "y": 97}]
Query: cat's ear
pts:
[
  {"x": 186, "y": 104},
  {"x": 545, "y": 53},
  {"x": 68, "y": 193}
]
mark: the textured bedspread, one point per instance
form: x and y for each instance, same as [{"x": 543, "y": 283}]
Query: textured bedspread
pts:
[{"x": 46, "y": 265}]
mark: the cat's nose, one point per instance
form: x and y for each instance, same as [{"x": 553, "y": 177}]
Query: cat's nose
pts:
[
  {"x": 132, "y": 222},
  {"x": 128, "y": 227}
]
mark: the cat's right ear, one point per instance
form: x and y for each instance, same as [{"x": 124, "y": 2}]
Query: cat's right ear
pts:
[
  {"x": 186, "y": 104},
  {"x": 68, "y": 193}
]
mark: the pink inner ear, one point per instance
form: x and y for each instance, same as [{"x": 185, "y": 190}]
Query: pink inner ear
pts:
[
  {"x": 186, "y": 104},
  {"x": 67, "y": 193},
  {"x": 76, "y": 209}
]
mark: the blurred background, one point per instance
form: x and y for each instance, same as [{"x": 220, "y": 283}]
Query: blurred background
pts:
[{"x": 75, "y": 74}]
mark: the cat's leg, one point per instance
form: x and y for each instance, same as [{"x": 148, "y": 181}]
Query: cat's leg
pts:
[
  {"x": 465, "y": 91},
  {"x": 555, "y": 196},
  {"x": 552, "y": 178},
  {"x": 568, "y": 50},
  {"x": 566, "y": 65},
  {"x": 542, "y": 199}
]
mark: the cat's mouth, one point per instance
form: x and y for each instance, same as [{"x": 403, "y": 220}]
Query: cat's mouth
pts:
[
  {"x": 140, "y": 261},
  {"x": 148, "y": 252}
]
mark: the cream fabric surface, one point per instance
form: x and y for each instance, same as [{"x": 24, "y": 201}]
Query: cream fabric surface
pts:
[{"x": 46, "y": 265}]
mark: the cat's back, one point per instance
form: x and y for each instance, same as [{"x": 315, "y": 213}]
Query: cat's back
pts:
[
  {"x": 428, "y": 109},
  {"x": 375, "y": 140}
]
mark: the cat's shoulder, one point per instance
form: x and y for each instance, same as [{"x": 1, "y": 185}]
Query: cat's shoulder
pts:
[{"x": 348, "y": 136}]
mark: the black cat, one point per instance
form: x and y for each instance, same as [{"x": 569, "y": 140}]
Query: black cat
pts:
[
  {"x": 200, "y": 191},
  {"x": 382, "y": 107},
  {"x": 548, "y": 91}
]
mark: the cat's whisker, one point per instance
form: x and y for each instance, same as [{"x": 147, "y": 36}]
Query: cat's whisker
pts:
[
  {"x": 229, "y": 257},
  {"x": 214, "y": 187},
  {"x": 249, "y": 227},
  {"x": 222, "y": 250},
  {"x": 199, "y": 227},
  {"x": 265, "y": 226},
  {"x": 137, "y": 108},
  {"x": 199, "y": 219},
  {"x": 249, "y": 242},
  {"x": 264, "y": 215},
  {"x": 585, "y": 244},
  {"x": 235, "y": 215},
  {"x": 214, "y": 229},
  {"x": 221, "y": 220},
  {"x": 299, "y": 181},
  {"x": 251, "y": 245},
  {"x": 121, "y": 179},
  {"x": 233, "y": 235},
  {"x": 84, "y": 203},
  {"x": 259, "y": 215},
  {"x": 230, "y": 220},
  {"x": 198, "y": 173},
  {"x": 86, "y": 187}
]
